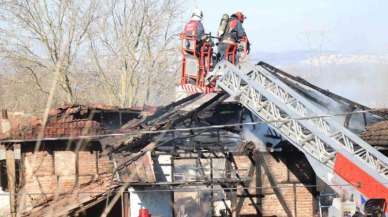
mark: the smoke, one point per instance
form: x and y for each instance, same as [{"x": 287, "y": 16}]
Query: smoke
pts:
[{"x": 365, "y": 82}]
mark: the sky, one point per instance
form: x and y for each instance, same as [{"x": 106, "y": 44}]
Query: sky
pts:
[{"x": 306, "y": 25}]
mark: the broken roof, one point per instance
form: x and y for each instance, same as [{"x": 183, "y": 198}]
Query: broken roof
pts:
[
  {"x": 132, "y": 155},
  {"x": 65, "y": 121}
]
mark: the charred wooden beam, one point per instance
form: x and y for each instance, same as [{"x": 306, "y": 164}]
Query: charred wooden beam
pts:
[
  {"x": 136, "y": 144},
  {"x": 4, "y": 114},
  {"x": 164, "y": 118},
  {"x": 11, "y": 177},
  {"x": 245, "y": 185},
  {"x": 125, "y": 204},
  {"x": 220, "y": 181}
]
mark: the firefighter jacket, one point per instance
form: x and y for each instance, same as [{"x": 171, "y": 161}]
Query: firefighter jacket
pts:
[
  {"x": 194, "y": 28},
  {"x": 235, "y": 31}
]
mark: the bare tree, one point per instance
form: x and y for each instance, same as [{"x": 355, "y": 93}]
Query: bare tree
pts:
[
  {"x": 38, "y": 35},
  {"x": 120, "y": 52},
  {"x": 134, "y": 47}
]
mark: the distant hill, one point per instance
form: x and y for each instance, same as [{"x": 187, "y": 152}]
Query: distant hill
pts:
[
  {"x": 362, "y": 77},
  {"x": 316, "y": 58},
  {"x": 284, "y": 58}
]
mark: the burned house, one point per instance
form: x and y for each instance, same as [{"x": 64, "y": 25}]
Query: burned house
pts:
[
  {"x": 203, "y": 155},
  {"x": 103, "y": 161}
]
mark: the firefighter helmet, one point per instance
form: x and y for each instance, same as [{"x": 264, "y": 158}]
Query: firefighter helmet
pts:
[
  {"x": 240, "y": 16},
  {"x": 197, "y": 13}
]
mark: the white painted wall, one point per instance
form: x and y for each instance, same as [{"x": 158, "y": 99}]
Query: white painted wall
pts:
[
  {"x": 157, "y": 200},
  {"x": 159, "y": 203},
  {"x": 164, "y": 161},
  {"x": 4, "y": 203}
]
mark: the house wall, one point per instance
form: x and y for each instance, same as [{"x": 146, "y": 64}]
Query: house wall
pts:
[
  {"x": 289, "y": 168},
  {"x": 4, "y": 203},
  {"x": 293, "y": 186},
  {"x": 54, "y": 170}
]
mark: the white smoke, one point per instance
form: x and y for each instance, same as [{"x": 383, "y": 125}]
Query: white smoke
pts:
[{"x": 361, "y": 78}]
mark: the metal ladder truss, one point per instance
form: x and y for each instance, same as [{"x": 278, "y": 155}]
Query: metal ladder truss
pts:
[{"x": 321, "y": 138}]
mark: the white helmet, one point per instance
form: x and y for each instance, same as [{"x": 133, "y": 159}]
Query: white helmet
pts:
[{"x": 197, "y": 13}]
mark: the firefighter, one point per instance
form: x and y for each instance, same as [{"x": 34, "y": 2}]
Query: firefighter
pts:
[
  {"x": 233, "y": 35},
  {"x": 194, "y": 28}
]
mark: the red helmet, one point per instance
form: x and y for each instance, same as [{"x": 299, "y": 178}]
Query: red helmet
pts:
[{"x": 240, "y": 16}]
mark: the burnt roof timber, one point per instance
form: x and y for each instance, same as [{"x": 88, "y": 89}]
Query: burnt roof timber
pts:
[
  {"x": 192, "y": 183},
  {"x": 144, "y": 143},
  {"x": 168, "y": 119}
]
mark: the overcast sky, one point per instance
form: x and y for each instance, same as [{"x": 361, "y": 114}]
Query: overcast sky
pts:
[{"x": 289, "y": 25}]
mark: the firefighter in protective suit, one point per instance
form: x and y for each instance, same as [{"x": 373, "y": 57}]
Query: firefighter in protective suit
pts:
[
  {"x": 234, "y": 34},
  {"x": 194, "y": 28}
]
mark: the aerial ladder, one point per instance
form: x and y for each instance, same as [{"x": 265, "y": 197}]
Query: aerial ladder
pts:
[{"x": 339, "y": 157}]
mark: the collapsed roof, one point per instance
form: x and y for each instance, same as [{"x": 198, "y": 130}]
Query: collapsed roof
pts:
[{"x": 143, "y": 132}]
